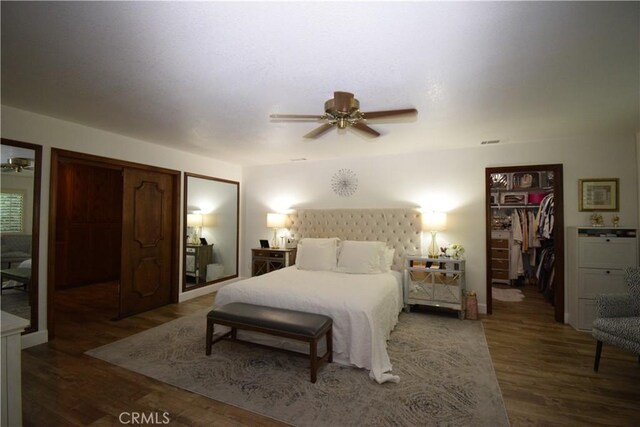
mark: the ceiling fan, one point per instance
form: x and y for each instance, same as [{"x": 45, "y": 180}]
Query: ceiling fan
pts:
[
  {"x": 17, "y": 164},
  {"x": 344, "y": 111}
]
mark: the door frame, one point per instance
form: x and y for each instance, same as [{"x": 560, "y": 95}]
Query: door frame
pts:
[
  {"x": 57, "y": 156},
  {"x": 558, "y": 231},
  {"x": 34, "y": 284}
]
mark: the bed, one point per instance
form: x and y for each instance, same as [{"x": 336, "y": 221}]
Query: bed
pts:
[{"x": 364, "y": 306}]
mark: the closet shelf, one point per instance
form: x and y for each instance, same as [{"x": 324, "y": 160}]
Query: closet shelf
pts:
[{"x": 515, "y": 206}]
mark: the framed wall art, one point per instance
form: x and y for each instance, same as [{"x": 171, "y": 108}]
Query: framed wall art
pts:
[{"x": 599, "y": 194}]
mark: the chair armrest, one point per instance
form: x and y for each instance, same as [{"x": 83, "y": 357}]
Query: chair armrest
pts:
[{"x": 614, "y": 305}]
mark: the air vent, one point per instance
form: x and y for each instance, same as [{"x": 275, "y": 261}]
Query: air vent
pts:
[{"x": 493, "y": 141}]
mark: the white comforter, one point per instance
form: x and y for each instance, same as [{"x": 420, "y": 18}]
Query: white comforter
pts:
[{"x": 364, "y": 309}]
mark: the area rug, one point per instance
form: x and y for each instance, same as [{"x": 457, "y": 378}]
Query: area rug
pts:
[
  {"x": 508, "y": 295},
  {"x": 16, "y": 302},
  {"x": 446, "y": 375}
]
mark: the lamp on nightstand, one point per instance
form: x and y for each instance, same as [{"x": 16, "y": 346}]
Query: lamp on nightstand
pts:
[
  {"x": 194, "y": 221},
  {"x": 434, "y": 222},
  {"x": 275, "y": 221}
]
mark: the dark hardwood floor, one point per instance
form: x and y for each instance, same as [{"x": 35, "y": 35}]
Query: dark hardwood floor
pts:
[{"x": 545, "y": 370}]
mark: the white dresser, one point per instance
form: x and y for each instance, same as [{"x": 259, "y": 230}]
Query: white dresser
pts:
[
  {"x": 597, "y": 257},
  {"x": 12, "y": 327}
]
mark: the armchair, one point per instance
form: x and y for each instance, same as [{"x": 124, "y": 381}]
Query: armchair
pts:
[{"x": 618, "y": 318}]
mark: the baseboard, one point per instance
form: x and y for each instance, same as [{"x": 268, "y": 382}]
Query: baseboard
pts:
[
  {"x": 35, "y": 338},
  {"x": 185, "y": 296},
  {"x": 482, "y": 308}
]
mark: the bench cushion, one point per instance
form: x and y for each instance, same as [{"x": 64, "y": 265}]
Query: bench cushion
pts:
[
  {"x": 295, "y": 322},
  {"x": 20, "y": 274}
]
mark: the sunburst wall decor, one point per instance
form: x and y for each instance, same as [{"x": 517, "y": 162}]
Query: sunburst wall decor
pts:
[{"x": 344, "y": 182}]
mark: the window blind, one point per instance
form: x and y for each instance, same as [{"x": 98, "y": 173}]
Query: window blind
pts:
[{"x": 11, "y": 212}]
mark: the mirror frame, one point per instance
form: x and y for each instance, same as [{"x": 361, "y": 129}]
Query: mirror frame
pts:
[
  {"x": 35, "y": 229},
  {"x": 188, "y": 175}
]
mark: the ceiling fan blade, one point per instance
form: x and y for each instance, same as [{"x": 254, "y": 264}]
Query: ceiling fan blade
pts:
[
  {"x": 297, "y": 116},
  {"x": 388, "y": 113},
  {"x": 319, "y": 130},
  {"x": 361, "y": 126}
]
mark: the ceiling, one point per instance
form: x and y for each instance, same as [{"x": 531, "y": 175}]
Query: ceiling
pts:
[{"x": 204, "y": 76}]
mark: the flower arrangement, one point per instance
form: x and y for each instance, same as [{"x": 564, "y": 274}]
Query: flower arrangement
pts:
[
  {"x": 455, "y": 251},
  {"x": 615, "y": 220},
  {"x": 596, "y": 220}
]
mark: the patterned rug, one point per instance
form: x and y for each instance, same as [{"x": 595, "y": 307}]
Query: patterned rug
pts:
[{"x": 446, "y": 375}]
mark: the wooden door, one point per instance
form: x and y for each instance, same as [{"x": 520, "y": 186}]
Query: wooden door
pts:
[{"x": 147, "y": 241}]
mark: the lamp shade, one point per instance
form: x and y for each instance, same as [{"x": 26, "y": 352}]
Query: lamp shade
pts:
[
  {"x": 194, "y": 220},
  {"x": 275, "y": 220},
  {"x": 434, "y": 221}
]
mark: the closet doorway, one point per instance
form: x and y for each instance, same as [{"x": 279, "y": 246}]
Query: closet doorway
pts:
[
  {"x": 113, "y": 235},
  {"x": 525, "y": 231}
]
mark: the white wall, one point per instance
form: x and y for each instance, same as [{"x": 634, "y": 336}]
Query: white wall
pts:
[
  {"x": 638, "y": 171},
  {"x": 49, "y": 132},
  {"x": 448, "y": 180}
]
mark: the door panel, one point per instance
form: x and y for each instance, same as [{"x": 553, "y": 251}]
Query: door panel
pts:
[{"x": 147, "y": 242}]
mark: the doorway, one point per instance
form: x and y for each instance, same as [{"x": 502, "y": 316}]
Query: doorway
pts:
[
  {"x": 525, "y": 232},
  {"x": 113, "y": 235},
  {"x": 20, "y": 229}
]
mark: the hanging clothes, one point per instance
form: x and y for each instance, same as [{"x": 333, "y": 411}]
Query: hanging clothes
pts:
[
  {"x": 545, "y": 217},
  {"x": 516, "y": 266}
]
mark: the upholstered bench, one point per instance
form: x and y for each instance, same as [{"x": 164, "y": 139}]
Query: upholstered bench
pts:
[
  {"x": 297, "y": 325},
  {"x": 21, "y": 275}
]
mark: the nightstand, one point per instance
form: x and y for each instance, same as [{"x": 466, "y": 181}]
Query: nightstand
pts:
[
  {"x": 266, "y": 260},
  {"x": 197, "y": 259},
  {"x": 437, "y": 282}
]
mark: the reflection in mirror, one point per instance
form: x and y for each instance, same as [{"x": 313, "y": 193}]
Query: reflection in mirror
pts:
[
  {"x": 211, "y": 230},
  {"x": 19, "y": 225}
]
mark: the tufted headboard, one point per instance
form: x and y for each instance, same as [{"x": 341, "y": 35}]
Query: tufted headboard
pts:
[{"x": 398, "y": 228}]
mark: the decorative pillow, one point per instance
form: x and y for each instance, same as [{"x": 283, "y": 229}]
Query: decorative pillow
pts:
[
  {"x": 360, "y": 257},
  {"x": 386, "y": 259},
  {"x": 317, "y": 254}
]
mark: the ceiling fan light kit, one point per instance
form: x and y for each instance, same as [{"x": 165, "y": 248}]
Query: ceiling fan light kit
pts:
[{"x": 344, "y": 111}]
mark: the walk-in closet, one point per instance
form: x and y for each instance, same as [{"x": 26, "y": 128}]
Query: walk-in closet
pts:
[{"x": 524, "y": 234}]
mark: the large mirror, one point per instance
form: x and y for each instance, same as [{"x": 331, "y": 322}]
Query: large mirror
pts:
[
  {"x": 211, "y": 230},
  {"x": 19, "y": 229}
]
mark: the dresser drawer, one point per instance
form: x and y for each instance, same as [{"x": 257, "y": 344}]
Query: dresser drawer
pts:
[
  {"x": 499, "y": 264},
  {"x": 586, "y": 313},
  {"x": 500, "y": 234},
  {"x": 607, "y": 252},
  {"x": 268, "y": 254},
  {"x": 500, "y": 274},
  {"x": 499, "y": 254},
  {"x": 592, "y": 282},
  {"x": 500, "y": 243}
]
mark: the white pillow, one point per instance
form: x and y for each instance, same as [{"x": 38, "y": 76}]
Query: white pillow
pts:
[
  {"x": 360, "y": 257},
  {"x": 25, "y": 264},
  {"x": 386, "y": 259},
  {"x": 317, "y": 254}
]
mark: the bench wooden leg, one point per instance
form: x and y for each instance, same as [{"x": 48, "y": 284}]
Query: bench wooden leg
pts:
[
  {"x": 313, "y": 356},
  {"x": 209, "y": 336},
  {"x": 329, "y": 339}
]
